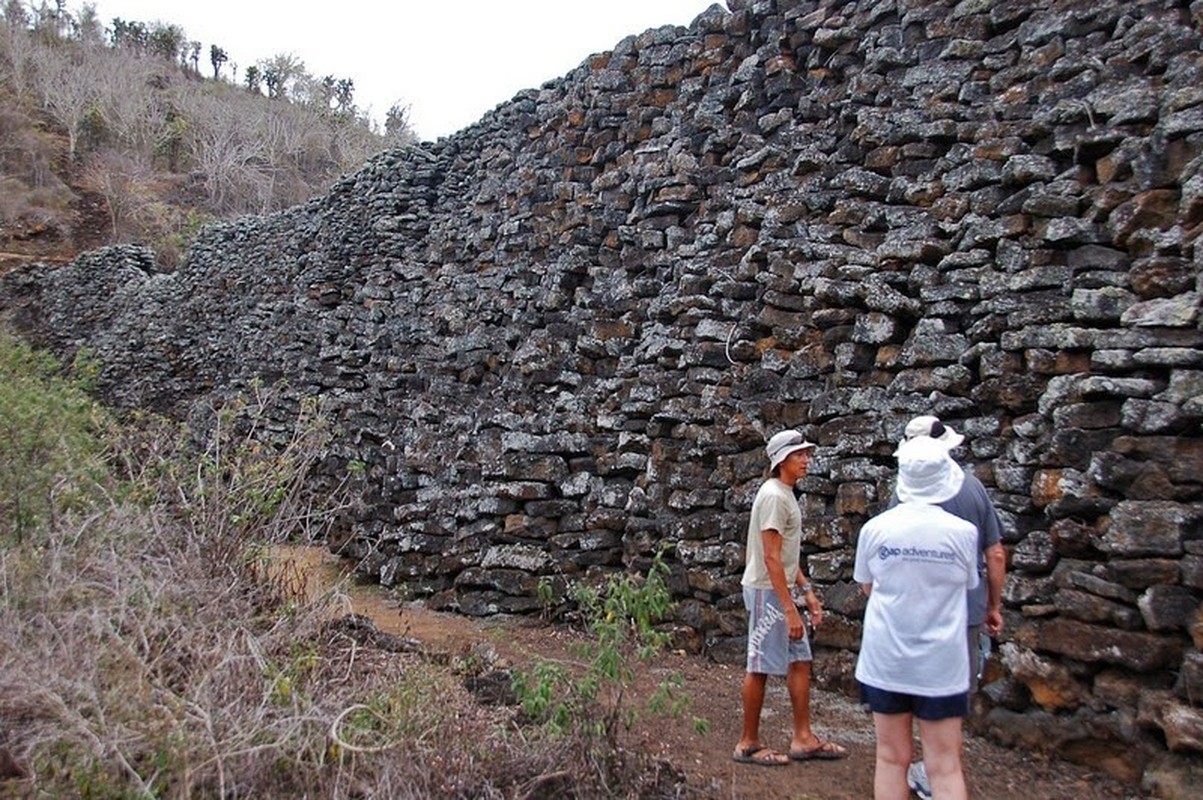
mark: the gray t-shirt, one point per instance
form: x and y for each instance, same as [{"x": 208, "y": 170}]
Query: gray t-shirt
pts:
[{"x": 972, "y": 504}]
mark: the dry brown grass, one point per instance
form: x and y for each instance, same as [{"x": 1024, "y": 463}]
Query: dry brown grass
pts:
[{"x": 146, "y": 650}]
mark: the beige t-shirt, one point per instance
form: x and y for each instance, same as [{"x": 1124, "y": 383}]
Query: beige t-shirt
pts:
[{"x": 776, "y": 508}]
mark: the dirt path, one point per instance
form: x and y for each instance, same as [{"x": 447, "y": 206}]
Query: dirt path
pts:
[{"x": 992, "y": 771}]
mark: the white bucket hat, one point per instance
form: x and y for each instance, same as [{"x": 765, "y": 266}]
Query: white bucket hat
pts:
[
  {"x": 926, "y": 473},
  {"x": 782, "y": 444},
  {"x": 932, "y": 428}
]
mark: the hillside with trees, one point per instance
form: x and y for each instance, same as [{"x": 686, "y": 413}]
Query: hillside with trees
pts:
[{"x": 130, "y": 131}]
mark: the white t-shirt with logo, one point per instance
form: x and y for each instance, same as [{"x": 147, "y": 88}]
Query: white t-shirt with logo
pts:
[{"x": 920, "y": 561}]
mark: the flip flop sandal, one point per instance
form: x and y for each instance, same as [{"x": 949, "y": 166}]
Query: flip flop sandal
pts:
[
  {"x": 824, "y": 751},
  {"x": 760, "y": 755}
]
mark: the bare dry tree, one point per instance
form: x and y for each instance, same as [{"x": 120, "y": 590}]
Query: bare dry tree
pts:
[
  {"x": 18, "y": 52},
  {"x": 231, "y": 160},
  {"x": 68, "y": 90},
  {"x": 126, "y": 186},
  {"x": 136, "y": 94}
]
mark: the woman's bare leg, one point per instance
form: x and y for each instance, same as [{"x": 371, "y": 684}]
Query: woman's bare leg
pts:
[
  {"x": 895, "y": 746},
  {"x": 942, "y": 744}
]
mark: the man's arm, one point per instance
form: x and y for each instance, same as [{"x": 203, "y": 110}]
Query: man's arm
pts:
[
  {"x": 772, "y": 541},
  {"x": 813, "y": 605},
  {"x": 996, "y": 570}
]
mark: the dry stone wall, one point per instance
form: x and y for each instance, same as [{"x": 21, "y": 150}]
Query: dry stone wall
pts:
[{"x": 559, "y": 338}]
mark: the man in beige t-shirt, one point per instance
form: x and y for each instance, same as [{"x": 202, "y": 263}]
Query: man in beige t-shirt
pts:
[{"x": 777, "y": 640}]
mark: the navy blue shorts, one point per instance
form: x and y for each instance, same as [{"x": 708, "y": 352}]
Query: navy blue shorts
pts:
[{"x": 883, "y": 701}]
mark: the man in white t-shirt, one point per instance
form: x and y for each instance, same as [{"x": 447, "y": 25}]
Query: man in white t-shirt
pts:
[
  {"x": 916, "y": 562},
  {"x": 777, "y": 639}
]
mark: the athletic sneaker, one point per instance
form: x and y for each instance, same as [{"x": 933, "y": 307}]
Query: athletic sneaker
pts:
[{"x": 916, "y": 778}]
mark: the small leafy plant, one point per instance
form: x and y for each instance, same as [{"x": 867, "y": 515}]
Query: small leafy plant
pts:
[{"x": 621, "y": 615}]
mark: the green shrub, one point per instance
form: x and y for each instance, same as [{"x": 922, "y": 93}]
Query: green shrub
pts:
[{"x": 49, "y": 450}]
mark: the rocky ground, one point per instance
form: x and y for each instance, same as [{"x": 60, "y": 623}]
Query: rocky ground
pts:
[{"x": 705, "y": 758}]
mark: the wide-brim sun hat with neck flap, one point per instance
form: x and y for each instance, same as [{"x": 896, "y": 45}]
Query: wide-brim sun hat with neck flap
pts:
[
  {"x": 781, "y": 444},
  {"x": 926, "y": 473}
]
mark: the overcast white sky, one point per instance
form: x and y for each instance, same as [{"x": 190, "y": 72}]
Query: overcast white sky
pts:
[{"x": 451, "y": 61}]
